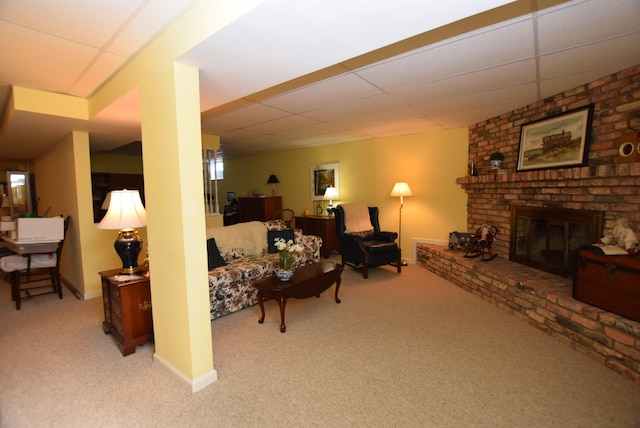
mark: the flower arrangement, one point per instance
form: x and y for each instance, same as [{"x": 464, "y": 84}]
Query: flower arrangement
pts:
[{"x": 285, "y": 253}]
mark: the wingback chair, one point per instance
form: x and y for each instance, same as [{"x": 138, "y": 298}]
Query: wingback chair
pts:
[{"x": 362, "y": 248}]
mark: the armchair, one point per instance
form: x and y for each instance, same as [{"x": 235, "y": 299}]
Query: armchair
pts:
[{"x": 365, "y": 248}]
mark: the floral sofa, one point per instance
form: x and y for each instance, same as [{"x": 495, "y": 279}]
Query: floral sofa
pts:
[{"x": 244, "y": 257}]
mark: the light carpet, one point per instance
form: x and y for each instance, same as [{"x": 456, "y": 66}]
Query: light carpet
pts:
[{"x": 407, "y": 350}]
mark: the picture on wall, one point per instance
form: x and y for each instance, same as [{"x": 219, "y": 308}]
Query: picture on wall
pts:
[
  {"x": 558, "y": 142},
  {"x": 323, "y": 176}
]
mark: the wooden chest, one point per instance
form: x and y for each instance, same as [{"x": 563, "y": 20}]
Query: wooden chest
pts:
[{"x": 609, "y": 282}]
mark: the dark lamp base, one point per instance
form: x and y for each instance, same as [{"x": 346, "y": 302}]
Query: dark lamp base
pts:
[{"x": 128, "y": 246}]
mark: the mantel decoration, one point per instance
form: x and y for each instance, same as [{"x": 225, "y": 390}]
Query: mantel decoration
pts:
[
  {"x": 323, "y": 176},
  {"x": 286, "y": 267},
  {"x": 496, "y": 160},
  {"x": 558, "y": 142}
]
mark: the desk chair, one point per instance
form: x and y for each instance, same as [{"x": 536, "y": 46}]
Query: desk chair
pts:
[{"x": 31, "y": 272}]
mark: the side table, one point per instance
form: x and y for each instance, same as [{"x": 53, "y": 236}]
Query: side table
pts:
[
  {"x": 325, "y": 228},
  {"x": 127, "y": 309}
]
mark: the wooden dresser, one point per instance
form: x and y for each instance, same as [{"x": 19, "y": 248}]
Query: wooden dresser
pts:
[
  {"x": 127, "y": 310},
  {"x": 259, "y": 209},
  {"x": 609, "y": 282},
  {"x": 325, "y": 228}
]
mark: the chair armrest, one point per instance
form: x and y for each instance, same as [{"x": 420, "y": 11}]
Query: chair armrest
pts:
[
  {"x": 386, "y": 236},
  {"x": 353, "y": 239}
]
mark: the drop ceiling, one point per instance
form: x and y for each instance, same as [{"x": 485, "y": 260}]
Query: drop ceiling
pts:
[{"x": 292, "y": 74}]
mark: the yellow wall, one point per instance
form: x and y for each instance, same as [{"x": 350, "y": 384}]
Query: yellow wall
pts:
[{"x": 428, "y": 162}]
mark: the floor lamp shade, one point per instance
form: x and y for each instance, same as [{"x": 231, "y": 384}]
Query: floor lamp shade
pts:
[{"x": 125, "y": 213}]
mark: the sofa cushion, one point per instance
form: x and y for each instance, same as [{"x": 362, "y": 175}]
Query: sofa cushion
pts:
[
  {"x": 286, "y": 234},
  {"x": 214, "y": 258}
]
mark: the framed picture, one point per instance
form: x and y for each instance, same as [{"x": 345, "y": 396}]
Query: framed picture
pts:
[
  {"x": 323, "y": 176},
  {"x": 557, "y": 142}
]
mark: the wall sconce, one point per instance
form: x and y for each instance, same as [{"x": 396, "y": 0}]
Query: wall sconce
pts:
[
  {"x": 401, "y": 189},
  {"x": 330, "y": 194},
  {"x": 125, "y": 213},
  {"x": 273, "y": 180}
]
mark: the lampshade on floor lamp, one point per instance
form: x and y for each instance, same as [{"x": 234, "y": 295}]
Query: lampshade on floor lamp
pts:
[
  {"x": 125, "y": 213},
  {"x": 401, "y": 189}
]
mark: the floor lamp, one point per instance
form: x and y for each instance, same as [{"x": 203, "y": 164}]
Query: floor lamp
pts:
[{"x": 401, "y": 189}]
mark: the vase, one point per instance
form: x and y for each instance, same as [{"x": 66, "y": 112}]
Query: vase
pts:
[{"x": 284, "y": 275}]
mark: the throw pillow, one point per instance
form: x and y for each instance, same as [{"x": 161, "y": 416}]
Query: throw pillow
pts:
[
  {"x": 214, "y": 257},
  {"x": 286, "y": 234}
]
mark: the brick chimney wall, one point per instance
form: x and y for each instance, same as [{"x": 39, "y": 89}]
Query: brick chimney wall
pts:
[{"x": 603, "y": 185}]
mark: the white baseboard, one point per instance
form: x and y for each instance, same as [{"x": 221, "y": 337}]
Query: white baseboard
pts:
[
  {"x": 192, "y": 385},
  {"x": 416, "y": 241}
]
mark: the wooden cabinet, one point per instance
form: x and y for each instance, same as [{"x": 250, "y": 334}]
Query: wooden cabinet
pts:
[
  {"x": 259, "y": 209},
  {"x": 127, "y": 310},
  {"x": 325, "y": 228},
  {"x": 609, "y": 282}
]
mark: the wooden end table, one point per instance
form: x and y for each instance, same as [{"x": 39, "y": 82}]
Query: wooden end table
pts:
[{"x": 308, "y": 281}]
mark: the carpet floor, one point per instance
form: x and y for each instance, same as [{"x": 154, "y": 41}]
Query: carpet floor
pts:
[{"x": 408, "y": 350}]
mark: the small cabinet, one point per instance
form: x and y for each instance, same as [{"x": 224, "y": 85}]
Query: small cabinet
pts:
[
  {"x": 325, "y": 228},
  {"x": 259, "y": 209},
  {"x": 609, "y": 282},
  {"x": 127, "y": 310}
]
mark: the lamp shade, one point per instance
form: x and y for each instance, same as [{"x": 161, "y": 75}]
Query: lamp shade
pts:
[
  {"x": 273, "y": 179},
  {"x": 401, "y": 189},
  {"x": 330, "y": 193},
  {"x": 125, "y": 211}
]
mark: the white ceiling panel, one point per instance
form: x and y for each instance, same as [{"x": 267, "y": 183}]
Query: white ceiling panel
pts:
[
  {"x": 619, "y": 53},
  {"x": 328, "y": 92},
  {"x": 62, "y": 59},
  {"x": 586, "y": 22},
  {"x": 288, "y": 122},
  {"x": 93, "y": 22},
  {"x": 455, "y": 57}
]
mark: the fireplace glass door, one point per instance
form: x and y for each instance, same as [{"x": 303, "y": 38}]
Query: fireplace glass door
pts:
[{"x": 548, "y": 238}]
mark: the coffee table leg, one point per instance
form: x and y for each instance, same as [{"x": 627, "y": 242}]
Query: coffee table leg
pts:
[
  {"x": 337, "y": 289},
  {"x": 283, "y": 302},
  {"x": 261, "y": 320}
]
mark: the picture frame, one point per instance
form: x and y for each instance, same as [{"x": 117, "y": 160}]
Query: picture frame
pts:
[
  {"x": 557, "y": 142},
  {"x": 323, "y": 176}
]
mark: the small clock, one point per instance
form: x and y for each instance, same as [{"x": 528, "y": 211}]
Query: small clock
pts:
[{"x": 318, "y": 208}]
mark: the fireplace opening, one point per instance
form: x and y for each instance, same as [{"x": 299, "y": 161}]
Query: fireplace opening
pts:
[{"x": 549, "y": 238}]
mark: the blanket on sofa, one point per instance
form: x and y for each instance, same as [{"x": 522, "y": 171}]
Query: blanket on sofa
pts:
[{"x": 250, "y": 237}]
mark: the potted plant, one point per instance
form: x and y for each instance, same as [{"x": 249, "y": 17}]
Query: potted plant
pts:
[{"x": 496, "y": 160}]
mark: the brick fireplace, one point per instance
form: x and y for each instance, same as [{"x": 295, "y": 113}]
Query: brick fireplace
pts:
[{"x": 605, "y": 185}]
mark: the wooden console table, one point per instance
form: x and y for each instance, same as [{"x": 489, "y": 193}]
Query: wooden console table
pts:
[{"x": 325, "y": 228}]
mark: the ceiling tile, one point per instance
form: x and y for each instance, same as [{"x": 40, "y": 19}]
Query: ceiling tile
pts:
[
  {"x": 586, "y": 22},
  {"x": 87, "y": 22},
  {"x": 455, "y": 57}
]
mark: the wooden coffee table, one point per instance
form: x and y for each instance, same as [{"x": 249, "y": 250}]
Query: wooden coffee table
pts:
[{"x": 308, "y": 281}]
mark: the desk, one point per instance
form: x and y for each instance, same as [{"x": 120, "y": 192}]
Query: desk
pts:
[
  {"x": 26, "y": 249},
  {"x": 22, "y": 248}
]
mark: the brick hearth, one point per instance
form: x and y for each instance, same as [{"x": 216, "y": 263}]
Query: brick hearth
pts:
[{"x": 544, "y": 300}]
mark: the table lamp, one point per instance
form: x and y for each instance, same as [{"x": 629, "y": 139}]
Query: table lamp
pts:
[
  {"x": 273, "y": 180},
  {"x": 125, "y": 213},
  {"x": 330, "y": 193}
]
